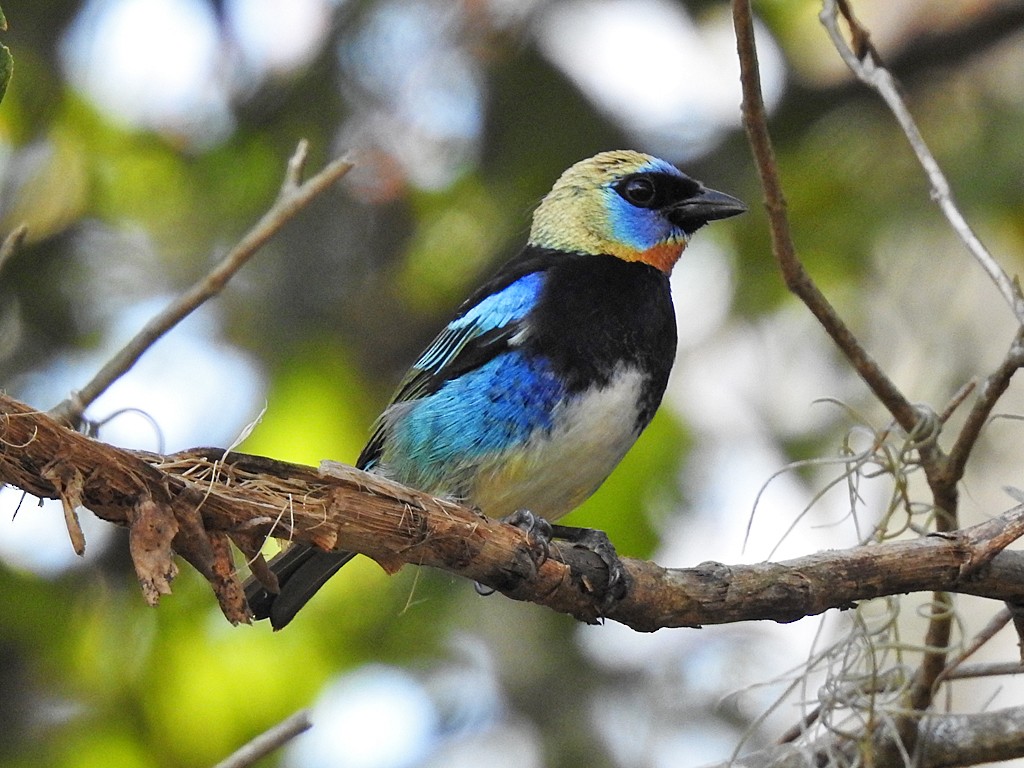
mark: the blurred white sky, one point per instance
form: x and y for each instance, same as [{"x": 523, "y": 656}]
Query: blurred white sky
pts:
[{"x": 166, "y": 65}]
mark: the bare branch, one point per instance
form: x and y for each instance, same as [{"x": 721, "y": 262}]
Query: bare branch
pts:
[
  {"x": 866, "y": 64},
  {"x": 969, "y": 671},
  {"x": 793, "y": 272},
  {"x": 296, "y": 168},
  {"x": 268, "y": 741},
  {"x": 293, "y": 197},
  {"x": 989, "y": 394},
  {"x": 948, "y": 741},
  {"x": 953, "y": 667},
  {"x": 962, "y": 740},
  {"x": 943, "y": 472},
  {"x": 248, "y": 497}
]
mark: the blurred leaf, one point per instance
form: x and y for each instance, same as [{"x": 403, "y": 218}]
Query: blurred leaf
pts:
[
  {"x": 53, "y": 192},
  {"x": 6, "y": 60},
  {"x": 102, "y": 744},
  {"x": 318, "y": 409},
  {"x": 6, "y": 69},
  {"x": 458, "y": 233}
]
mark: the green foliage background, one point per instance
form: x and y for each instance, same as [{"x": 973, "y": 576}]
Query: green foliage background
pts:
[{"x": 337, "y": 306}]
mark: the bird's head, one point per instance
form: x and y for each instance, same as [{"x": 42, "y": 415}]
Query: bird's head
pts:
[{"x": 630, "y": 205}]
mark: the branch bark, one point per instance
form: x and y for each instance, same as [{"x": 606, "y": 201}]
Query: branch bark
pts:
[
  {"x": 947, "y": 741},
  {"x": 194, "y": 502}
]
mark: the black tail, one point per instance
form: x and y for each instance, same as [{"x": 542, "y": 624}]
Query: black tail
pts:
[{"x": 301, "y": 570}]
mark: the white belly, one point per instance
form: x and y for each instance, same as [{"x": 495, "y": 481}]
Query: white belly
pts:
[{"x": 556, "y": 471}]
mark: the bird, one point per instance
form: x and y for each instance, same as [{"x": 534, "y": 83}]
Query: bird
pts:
[{"x": 547, "y": 374}]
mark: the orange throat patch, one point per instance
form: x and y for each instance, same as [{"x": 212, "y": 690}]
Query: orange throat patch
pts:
[{"x": 663, "y": 256}]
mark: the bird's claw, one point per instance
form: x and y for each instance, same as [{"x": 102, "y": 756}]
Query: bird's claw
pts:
[
  {"x": 538, "y": 533},
  {"x": 537, "y": 530},
  {"x": 598, "y": 542},
  {"x": 541, "y": 534}
]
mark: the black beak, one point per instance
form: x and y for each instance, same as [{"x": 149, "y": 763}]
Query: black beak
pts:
[{"x": 707, "y": 205}]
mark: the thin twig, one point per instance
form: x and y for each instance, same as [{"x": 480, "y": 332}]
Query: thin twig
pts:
[
  {"x": 957, "y": 400},
  {"x": 796, "y": 730},
  {"x": 942, "y": 473},
  {"x": 293, "y": 197},
  {"x": 953, "y": 666},
  {"x": 793, "y": 272},
  {"x": 12, "y": 243},
  {"x": 986, "y": 670},
  {"x": 268, "y": 741},
  {"x": 865, "y": 63},
  {"x": 989, "y": 394}
]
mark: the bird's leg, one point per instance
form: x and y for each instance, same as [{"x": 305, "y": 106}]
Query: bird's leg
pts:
[{"x": 598, "y": 543}]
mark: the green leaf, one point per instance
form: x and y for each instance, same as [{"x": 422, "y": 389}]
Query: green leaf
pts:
[
  {"x": 6, "y": 60},
  {"x": 6, "y": 69}
]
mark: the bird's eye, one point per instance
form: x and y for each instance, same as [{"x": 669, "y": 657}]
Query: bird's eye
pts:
[{"x": 638, "y": 191}]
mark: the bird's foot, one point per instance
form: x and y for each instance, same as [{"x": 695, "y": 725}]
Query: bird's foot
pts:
[
  {"x": 541, "y": 533},
  {"x": 538, "y": 533},
  {"x": 537, "y": 530},
  {"x": 598, "y": 542}
]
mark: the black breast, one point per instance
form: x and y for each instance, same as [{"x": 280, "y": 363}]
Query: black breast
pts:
[{"x": 597, "y": 313}]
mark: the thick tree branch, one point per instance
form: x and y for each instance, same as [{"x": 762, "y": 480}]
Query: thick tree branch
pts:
[
  {"x": 948, "y": 741},
  {"x": 194, "y": 501}
]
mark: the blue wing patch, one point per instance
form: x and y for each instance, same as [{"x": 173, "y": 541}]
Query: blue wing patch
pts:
[
  {"x": 497, "y": 311},
  {"x": 472, "y": 339},
  {"x": 437, "y": 442}
]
